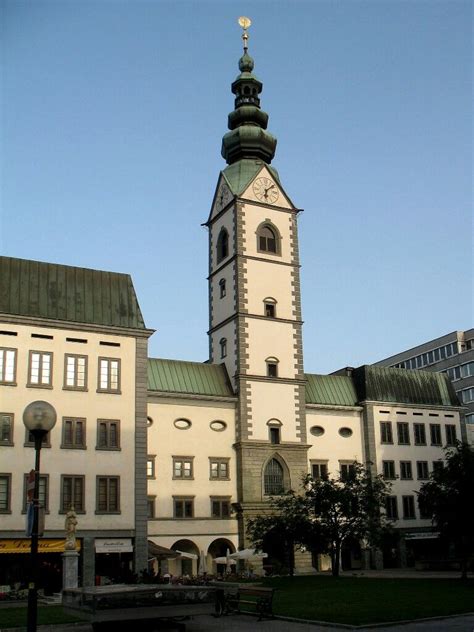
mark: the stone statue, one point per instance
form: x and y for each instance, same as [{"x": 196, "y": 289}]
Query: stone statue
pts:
[{"x": 70, "y": 526}]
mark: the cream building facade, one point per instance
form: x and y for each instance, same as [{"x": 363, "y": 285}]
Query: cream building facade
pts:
[{"x": 166, "y": 460}]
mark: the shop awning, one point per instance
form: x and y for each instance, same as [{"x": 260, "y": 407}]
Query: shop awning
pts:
[
  {"x": 45, "y": 545},
  {"x": 160, "y": 552}
]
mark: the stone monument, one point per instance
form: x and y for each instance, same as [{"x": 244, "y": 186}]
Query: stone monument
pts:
[{"x": 70, "y": 555}]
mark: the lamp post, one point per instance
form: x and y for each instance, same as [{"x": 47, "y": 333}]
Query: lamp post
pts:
[{"x": 39, "y": 418}]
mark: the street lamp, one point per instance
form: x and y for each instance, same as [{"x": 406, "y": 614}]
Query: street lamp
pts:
[{"x": 39, "y": 418}]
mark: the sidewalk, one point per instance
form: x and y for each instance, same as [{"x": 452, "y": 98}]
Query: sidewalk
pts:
[{"x": 245, "y": 623}]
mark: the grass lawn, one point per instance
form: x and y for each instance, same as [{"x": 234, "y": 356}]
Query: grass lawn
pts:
[
  {"x": 16, "y": 617},
  {"x": 359, "y": 601}
]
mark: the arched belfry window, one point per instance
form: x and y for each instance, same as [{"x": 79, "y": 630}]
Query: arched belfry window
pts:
[
  {"x": 272, "y": 367},
  {"x": 273, "y": 478},
  {"x": 269, "y": 307},
  {"x": 268, "y": 238},
  {"x": 222, "y": 245}
]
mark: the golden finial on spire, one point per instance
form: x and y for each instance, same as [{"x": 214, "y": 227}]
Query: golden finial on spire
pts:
[{"x": 245, "y": 23}]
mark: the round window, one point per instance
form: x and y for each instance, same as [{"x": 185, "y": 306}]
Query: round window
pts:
[
  {"x": 317, "y": 431},
  {"x": 218, "y": 426},
  {"x": 182, "y": 424},
  {"x": 345, "y": 432}
]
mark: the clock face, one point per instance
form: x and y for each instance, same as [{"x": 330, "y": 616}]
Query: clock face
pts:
[
  {"x": 265, "y": 190},
  {"x": 224, "y": 196}
]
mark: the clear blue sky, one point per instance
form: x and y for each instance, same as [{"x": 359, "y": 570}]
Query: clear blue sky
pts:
[{"x": 112, "y": 119}]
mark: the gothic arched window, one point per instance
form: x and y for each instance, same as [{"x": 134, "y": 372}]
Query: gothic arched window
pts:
[
  {"x": 268, "y": 239},
  {"x": 273, "y": 478},
  {"x": 222, "y": 245}
]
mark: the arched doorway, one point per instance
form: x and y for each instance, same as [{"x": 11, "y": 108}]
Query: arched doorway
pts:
[
  {"x": 218, "y": 550},
  {"x": 186, "y": 564}
]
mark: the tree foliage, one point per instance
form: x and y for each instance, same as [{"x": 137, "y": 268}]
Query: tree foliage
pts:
[
  {"x": 326, "y": 513},
  {"x": 448, "y": 497}
]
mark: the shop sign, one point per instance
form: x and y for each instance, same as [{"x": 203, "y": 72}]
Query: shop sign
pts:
[
  {"x": 113, "y": 545},
  {"x": 422, "y": 535},
  {"x": 24, "y": 546}
]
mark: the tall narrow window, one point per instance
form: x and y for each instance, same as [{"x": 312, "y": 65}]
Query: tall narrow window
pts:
[
  {"x": 386, "y": 435},
  {"x": 74, "y": 433},
  {"x": 75, "y": 372},
  {"x": 273, "y": 478},
  {"x": 40, "y": 369},
  {"x": 222, "y": 289},
  {"x": 109, "y": 375},
  {"x": 108, "y": 434},
  {"x": 408, "y": 507},
  {"x": 391, "y": 507},
  {"x": 222, "y": 245},
  {"x": 223, "y": 345},
  {"x": 403, "y": 433},
  {"x": 275, "y": 436},
  {"x": 108, "y": 494},
  {"x": 347, "y": 471},
  {"x": 72, "y": 493},
  {"x": 5, "y": 492},
  {"x": 7, "y": 366},
  {"x": 6, "y": 428},
  {"x": 420, "y": 434},
  {"x": 435, "y": 433},
  {"x": 450, "y": 434},
  {"x": 267, "y": 240}
]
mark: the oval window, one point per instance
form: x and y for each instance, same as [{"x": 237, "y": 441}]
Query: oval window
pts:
[
  {"x": 218, "y": 426},
  {"x": 317, "y": 431},
  {"x": 345, "y": 432},
  {"x": 182, "y": 424},
  {"x": 149, "y": 421}
]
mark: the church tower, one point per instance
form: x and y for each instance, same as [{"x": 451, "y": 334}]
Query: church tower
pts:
[{"x": 254, "y": 298}]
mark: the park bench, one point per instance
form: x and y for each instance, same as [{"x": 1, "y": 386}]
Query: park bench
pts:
[
  {"x": 254, "y": 599},
  {"x": 258, "y": 598}
]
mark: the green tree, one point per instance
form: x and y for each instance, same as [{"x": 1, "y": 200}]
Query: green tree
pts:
[
  {"x": 448, "y": 497},
  {"x": 348, "y": 507},
  {"x": 284, "y": 528},
  {"x": 327, "y": 513}
]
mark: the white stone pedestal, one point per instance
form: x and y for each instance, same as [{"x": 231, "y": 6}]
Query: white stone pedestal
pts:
[{"x": 70, "y": 569}]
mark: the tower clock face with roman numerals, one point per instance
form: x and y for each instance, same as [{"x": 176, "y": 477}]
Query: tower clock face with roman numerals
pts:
[{"x": 265, "y": 190}]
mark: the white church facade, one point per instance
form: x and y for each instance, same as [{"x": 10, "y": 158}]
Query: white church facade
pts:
[{"x": 165, "y": 455}]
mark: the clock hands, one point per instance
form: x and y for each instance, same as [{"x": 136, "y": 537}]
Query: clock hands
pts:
[{"x": 267, "y": 189}]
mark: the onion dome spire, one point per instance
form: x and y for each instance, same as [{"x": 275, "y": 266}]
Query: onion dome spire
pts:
[{"x": 248, "y": 137}]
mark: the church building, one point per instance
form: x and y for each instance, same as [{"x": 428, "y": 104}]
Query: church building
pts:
[{"x": 170, "y": 467}]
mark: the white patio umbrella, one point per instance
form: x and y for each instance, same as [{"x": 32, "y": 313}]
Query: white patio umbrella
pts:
[
  {"x": 248, "y": 554},
  {"x": 227, "y": 561},
  {"x": 202, "y": 563},
  {"x": 223, "y": 560}
]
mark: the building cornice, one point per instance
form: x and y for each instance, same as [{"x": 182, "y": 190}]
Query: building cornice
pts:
[
  {"x": 253, "y": 316},
  {"x": 405, "y": 405},
  {"x": 284, "y": 446},
  {"x": 191, "y": 396},
  {"x": 31, "y": 321},
  {"x": 271, "y": 380},
  {"x": 333, "y": 407}
]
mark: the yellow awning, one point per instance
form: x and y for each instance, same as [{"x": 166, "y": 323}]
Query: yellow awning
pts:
[{"x": 45, "y": 545}]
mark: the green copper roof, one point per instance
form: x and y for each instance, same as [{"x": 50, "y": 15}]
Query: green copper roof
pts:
[
  {"x": 383, "y": 384},
  {"x": 49, "y": 290},
  {"x": 193, "y": 378},
  {"x": 333, "y": 390},
  {"x": 240, "y": 174}
]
